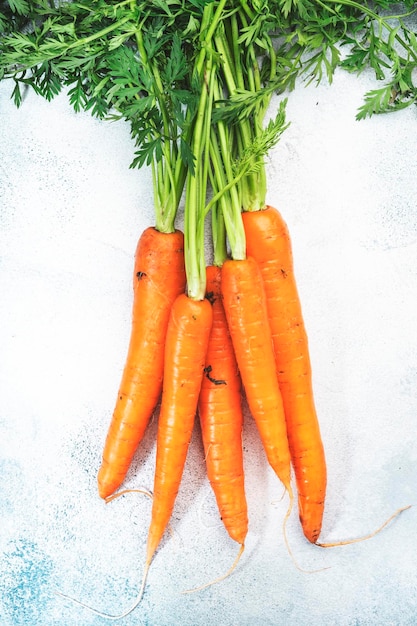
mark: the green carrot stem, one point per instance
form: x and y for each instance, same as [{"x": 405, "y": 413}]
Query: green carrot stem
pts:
[
  {"x": 196, "y": 190},
  {"x": 253, "y": 185},
  {"x": 218, "y": 229},
  {"x": 196, "y": 184},
  {"x": 168, "y": 173},
  {"x": 227, "y": 182}
]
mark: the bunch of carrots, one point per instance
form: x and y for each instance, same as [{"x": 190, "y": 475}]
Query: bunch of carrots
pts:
[
  {"x": 209, "y": 332},
  {"x": 195, "y": 82},
  {"x": 212, "y": 333}
]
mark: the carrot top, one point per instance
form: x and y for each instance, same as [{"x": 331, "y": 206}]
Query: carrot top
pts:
[
  {"x": 243, "y": 105},
  {"x": 196, "y": 187},
  {"x": 135, "y": 60}
]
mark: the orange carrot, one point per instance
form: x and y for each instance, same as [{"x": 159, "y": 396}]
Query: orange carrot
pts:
[
  {"x": 221, "y": 419},
  {"x": 185, "y": 350},
  {"x": 268, "y": 242},
  {"x": 246, "y": 313},
  {"x": 159, "y": 277}
]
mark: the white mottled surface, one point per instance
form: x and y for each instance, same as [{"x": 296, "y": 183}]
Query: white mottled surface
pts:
[{"x": 70, "y": 215}]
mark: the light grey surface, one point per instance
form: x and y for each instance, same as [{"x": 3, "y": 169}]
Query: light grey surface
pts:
[{"x": 70, "y": 215}]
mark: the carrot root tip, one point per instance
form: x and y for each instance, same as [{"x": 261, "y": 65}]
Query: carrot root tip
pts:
[
  {"x": 142, "y": 490},
  {"x": 109, "y": 616},
  {"x": 346, "y": 542},
  {"x": 139, "y": 596},
  {"x": 220, "y": 578}
]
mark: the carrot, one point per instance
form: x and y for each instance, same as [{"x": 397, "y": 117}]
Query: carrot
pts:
[
  {"x": 159, "y": 277},
  {"x": 221, "y": 419},
  {"x": 185, "y": 350},
  {"x": 246, "y": 313},
  {"x": 268, "y": 242}
]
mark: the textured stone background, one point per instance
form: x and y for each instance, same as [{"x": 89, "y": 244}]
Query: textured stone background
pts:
[{"x": 70, "y": 215}]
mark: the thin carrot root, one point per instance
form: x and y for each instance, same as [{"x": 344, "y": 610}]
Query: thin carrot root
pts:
[
  {"x": 346, "y": 542},
  {"x": 206, "y": 452},
  {"x": 145, "y": 492},
  {"x": 141, "y": 591},
  {"x": 109, "y": 616},
  {"x": 287, "y": 543},
  {"x": 280, "y": 499},
  {"x": 142, "y": 490},
  {"x": 221, "y": 578}
]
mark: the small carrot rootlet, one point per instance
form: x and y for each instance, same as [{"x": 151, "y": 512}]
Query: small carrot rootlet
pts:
[
  {"x": 133, "y": 606},
  {"x": 347, "y": 542}
]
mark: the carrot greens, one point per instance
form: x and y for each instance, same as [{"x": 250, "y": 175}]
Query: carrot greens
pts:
[
  {"x": 111, "y": 55},
  {"x": 119, "y": 61}
]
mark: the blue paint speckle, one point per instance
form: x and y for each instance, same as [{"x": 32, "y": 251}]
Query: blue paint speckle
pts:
[{"x": 25, "y": 584}]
